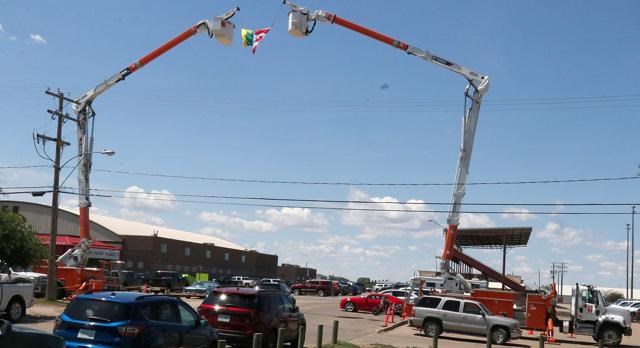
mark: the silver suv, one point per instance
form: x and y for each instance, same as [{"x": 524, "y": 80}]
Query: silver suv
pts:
[{"x": 436, "y": 314}]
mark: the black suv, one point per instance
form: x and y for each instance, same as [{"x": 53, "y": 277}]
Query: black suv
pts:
[
  {"x": 169, "y": 279},
  {"x": 238, "y": 313}
]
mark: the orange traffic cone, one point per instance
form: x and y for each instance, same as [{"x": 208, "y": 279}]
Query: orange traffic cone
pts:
[{"x": 530, "y": 332}]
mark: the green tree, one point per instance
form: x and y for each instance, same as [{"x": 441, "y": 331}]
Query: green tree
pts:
[
  {"x": 19, "y": 245},
  {"x": 613, "y": 296}
]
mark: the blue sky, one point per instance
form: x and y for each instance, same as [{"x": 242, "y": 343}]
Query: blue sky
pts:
[{"x": 339, "y": 107}]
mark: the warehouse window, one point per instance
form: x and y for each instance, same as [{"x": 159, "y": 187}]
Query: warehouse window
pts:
[
  {"x": 170, "y": 267},
  {"x": 16, "y": 209},
  {"x": 226, "y": 256},
  {"x": 163, "y": 248},
  {"x": 140, "y": 265},
  {"x": 178, "y": 268},
  {"x": 129, "y": 264},
  {"x": 244, "y": 258},
  {"x": 207, "y": 254},
  {"x": 187, "y": 251}
]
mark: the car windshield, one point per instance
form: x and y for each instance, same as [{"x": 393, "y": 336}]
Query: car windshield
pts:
[
  {"x": 98, "y": 311},
  {"x": 201, "y": 284},
  {"x": 485, "y": 309},
  {"x": 231, "y": 300}
]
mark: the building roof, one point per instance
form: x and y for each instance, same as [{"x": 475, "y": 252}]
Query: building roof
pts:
[
  {"x": 493, "y": 237},
  {"x": 132, "y": 228},
  {"x": 39, "y": 217}
]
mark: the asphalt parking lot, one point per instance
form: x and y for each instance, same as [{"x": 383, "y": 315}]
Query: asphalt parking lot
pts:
[{"x": 361, "y": 329}]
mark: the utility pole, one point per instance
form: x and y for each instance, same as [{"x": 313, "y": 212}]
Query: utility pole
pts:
[
  {"x": 627, "y": 274},
  {"x": 553, "y": 272},
  {"x": 51, "y": 270},
  {"x": 633, "y": 215},
  {"x": 562, "y": 271},
  {"x": 539, "y": 284}
]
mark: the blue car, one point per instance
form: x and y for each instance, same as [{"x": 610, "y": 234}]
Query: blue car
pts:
[{"x": 132, "y": 319}]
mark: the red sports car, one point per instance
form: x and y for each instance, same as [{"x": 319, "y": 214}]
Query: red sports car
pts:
[{"x": 367, "y": 302}]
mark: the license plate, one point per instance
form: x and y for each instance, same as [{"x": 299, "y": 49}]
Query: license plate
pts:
[
  {"x": 223, "y": 318},
  {"x": 84, "y": 333}
]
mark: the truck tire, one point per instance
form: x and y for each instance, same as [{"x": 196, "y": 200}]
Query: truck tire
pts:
[
  {"x": 321, "y": 293},
  {"x": 431, "y": 328},
  {"x": 15, "y": 309},
  {"x": 499, "y": 335},
  {"x": 611, "y": 335}
]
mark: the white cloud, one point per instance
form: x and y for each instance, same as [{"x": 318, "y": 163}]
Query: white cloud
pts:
[
  {"x": 236, "y": 223},
  {"x": 295, "y": 217},
  {"x": 135, "y": 196},
  {"x": 13, "y": 38},
  {"x": 38, "y": 39},
  {"x": 575, "y": 268},
  {"x": 610, "y": 245},
  {"x": 136, "y": 215},
  {"x": 557, "y": 208},
  {"x": 412, "y": 248},
  {"x": 374, "y": 224},
  {"x": 594, "y": 257},
  {"x": 520, "y": 258},
  {"x": 564, "y": 236},
  {"x": 1, "y": 29},
  {"x": 216, "y": 232},
  {"x": 521, "y": 214},
  {"x": 469, "y": 220}
]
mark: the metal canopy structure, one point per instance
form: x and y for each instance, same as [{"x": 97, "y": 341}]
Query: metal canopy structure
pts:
[{"x": 493, "y": 237}]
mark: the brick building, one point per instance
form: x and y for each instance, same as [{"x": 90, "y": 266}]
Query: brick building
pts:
[{"x": 295, "y": 273}]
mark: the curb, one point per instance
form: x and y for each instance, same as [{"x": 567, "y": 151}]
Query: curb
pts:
[{"x": 391, "y": 327}]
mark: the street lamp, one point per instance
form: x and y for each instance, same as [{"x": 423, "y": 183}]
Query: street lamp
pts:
[
  {"x": 444, "y": 229},
  {"x": 51, "y": 264}
]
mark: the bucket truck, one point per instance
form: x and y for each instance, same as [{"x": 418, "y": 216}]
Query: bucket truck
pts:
[
  {"x": 70, "y": 267},
  {"x": 533, "y": 310}
]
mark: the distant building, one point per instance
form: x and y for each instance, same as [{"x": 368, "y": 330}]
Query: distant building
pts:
[
  {"x": 295, "y": 273},
  {"x": 148, "y": 248}
]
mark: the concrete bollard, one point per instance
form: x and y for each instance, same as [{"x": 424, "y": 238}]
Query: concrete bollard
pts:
[
  {"x": 334, "y": 335},
  {"x": 540, "y": 341},
  {"x": 222, "y": 344},
  {"x": 434, "y": 342},
  {"x": 601, "y": 342},
  {"x": 489, "y": 339},
  {"x": 302, "y": 331},
  {"x": 319, "y": 339},
  {"x": 280, "y": 341},
  {"x": 257, "y": 340}
]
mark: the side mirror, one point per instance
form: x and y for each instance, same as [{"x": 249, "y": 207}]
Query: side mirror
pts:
[{"x": 203, "y": 322}]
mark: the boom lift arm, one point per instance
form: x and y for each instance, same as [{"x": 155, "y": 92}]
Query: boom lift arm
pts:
[
  {"x": 478, "y": 86},
  {"x": 219, "y": 27}
]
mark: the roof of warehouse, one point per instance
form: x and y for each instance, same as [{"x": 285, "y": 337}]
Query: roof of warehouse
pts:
[
  {"x": 131, "y": 228},
  {"x": 493, "y": 237}
]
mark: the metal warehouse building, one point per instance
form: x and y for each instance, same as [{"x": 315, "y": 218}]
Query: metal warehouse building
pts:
[{"x": 148, "y": 248}]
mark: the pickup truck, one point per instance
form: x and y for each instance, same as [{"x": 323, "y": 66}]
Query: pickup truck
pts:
[
  {"x": 16, "y": 295},
  {"x": 171, "y": 280},
  {"x": 436, "y": 314},
  {"x": 242, "y": 281}
]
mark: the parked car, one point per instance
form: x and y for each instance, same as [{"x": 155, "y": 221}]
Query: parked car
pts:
[
  {"x": 367, "y": 302},
  {"x": 243, "y": 281},
  {"x": 16, "y": 336},
  {"x": 132, "y": 319},
  {"x": 237, "y": 313},
  {"x": 283, "y": 288},
  {"x": 435, "y": 314},
  {"x": 200, "y": 288},
  {"x": 131, "y": 278},
  {"x": 381, "y": 286},
  {"x": 403, "y": 294},
  {"x": 169, "y": 280},
  {"x": 316, "y": 287},
  {"x": 270, "y": 280}
]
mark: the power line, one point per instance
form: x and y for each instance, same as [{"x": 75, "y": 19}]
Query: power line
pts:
[
  {"x": 338, "y": 183},
  {"x": 346, "y": 208},
  {"x": 309, "y": 200}
]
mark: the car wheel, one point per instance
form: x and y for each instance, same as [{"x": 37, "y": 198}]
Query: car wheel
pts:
[
  {"x": 296, "y": 292},
  {"x": 320, "y": 293},
  {"x": 431, "y": 328},
  {"x": 350, "y": 307},
  {"x": 499, "y": 335},
  {"x": 15, "y": 310},
  {"x": 611, "y": 336}
]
